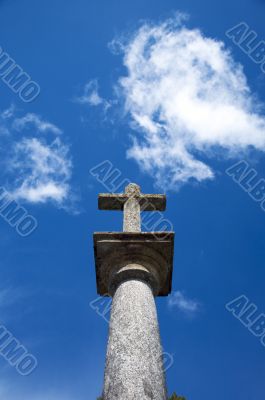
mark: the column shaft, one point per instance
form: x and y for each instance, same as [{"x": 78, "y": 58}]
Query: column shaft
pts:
[{"x": 134, "y": 365}]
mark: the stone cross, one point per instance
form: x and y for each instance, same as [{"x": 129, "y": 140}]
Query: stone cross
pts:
[
  {"x": 133, "y": 267},
  {"x": 132, "y": 202}
]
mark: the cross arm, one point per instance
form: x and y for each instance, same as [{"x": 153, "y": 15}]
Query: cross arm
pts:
[{"x": 148, "y": 202}]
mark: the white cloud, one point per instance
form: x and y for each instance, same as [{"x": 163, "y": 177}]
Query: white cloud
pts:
[
  {"x": 91, "y": 96},
  {"x": 181, "y": 302},
  {"x": 5, "y": 116},
  {"x": 38, "y": 167},
  {"x": 44, "y": 171},
  {"x": 36, "y": 121},
  {"x": 8, "y": 113},
  {"x": 188, "y": 100}
]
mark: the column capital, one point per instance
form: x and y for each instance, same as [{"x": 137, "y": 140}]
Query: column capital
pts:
[{"x": 122, "y": 256}]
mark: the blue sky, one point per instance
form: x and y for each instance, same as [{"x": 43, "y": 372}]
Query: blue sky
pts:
[{"x": 173, "y": 123}]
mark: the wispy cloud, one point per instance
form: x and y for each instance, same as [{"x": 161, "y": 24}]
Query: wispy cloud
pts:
[
  {"x": 36, "y": 121},
  {"x": 91, "y": 96},
  {"x": 5, "y": 116},
  {"x": 188, "y": 101},
  {"x": 38, "y": 166},
  {"x": 181, "y": 302},
  {"x": 44, "y": 171},
  {"x": 8, "y": 112}
]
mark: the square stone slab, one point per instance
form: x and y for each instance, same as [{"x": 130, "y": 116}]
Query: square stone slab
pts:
[{"x": 153, "y": 250}]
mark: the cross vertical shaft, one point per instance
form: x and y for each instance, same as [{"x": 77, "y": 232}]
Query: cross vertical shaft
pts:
[{"x": 132, "y": 209}]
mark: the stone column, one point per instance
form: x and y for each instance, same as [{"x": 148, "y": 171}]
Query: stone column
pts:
[{"x": 134, "y": 365}]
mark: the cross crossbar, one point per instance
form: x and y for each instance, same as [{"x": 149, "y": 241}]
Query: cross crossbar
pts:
[
  {"x": 132, "y": 202},
  {"x": 148, "y": 202}
]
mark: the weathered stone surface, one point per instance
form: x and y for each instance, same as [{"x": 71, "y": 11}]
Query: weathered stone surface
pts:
[
  {"x": 152, "y": 250},
  {"x": 116, "y": 201},
  {"x": 133, "y": 267},
  {"x": 134, "y": 367},
  {"x": 132, "y": 209}
]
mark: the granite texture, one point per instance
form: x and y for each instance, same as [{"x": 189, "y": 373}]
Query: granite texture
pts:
[
  {"x": 134, "y": 367},
  {"x": 131, "y": 216},
  {"x": 133, "y": 267}
]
